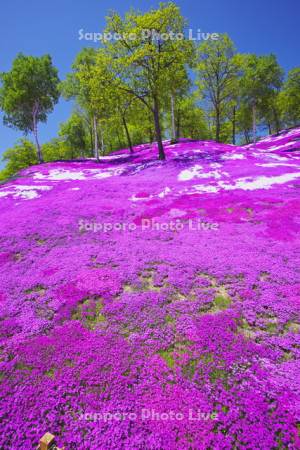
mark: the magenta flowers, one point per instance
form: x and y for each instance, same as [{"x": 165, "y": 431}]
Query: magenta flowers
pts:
[{"x": 153, "y": 305}]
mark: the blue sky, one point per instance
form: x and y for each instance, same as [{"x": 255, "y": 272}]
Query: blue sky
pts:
[{"x": 35, "y": 27}]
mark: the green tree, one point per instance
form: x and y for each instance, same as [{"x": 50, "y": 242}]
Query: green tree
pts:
[
  {"x": 190, "y": 119},
  {"x": 261, "y": 80},
  {"x": 244, "y": 122},
  {"x": 217, "y": 70},
  {"x": 28, "y": 94},
  {"x": 178, "y": 85},
  {"x": 124, "y": 105},
  {"x": 143, "y": 58},
  {"x": 73, "y": 132},
  {"x": 18, "y": 157},
  {"x": 77, "y": 86},
  {"x": 289, "y": 98},
  {"x": 90, "y": 83}
]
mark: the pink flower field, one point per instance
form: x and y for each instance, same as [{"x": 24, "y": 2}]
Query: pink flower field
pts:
[{"x": 153, "y": 305}]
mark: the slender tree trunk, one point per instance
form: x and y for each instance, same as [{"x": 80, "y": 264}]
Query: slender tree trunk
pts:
[
  {"x": 173, "y": 118},
  {"x": 151, "y": 135},
  {"x": 127, "y": 134},
  {"x": 269, "y": 128},
  {"x": 91, "y": 127},
  {"x": 218, "y": 124},
  {"x": 119, "y": 140},
  {"x": 247, "y": 138},
  {"x": 276, "y": 119},
  {"x": 254, "y": 122},
  {"x": 161, "y": 152},
  {"x": 178, "y": 125},
  {"x": 234, "y": 125},
  {"x": 102, "y": 143},
  {"x": 96, "y": 147},
  {"x": 35, "y": 133}
]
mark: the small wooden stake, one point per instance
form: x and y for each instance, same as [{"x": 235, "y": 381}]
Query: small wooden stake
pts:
[{"x": 46, "y": 441}]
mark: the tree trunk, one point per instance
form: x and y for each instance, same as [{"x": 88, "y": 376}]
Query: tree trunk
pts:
[
  {"x": 247, "y": 138},
  {"x": 127, "y": 134},
  {"x": 269, "y": 128},
  {"x": 161, "y": 152},
  {"x": 173, "y": 119},
  {"x": 102, "y": 143},
  {"x": 119, "y": 140},
  {"x": 150, "y": 129},
  {"x": 233, "y": 125},
  {"x": 35, "y": 132},
  {"x": 254, "y": 122},
  {"x": 218, "y": 125},
  {"x": 276, "y": 119},
  {"x": 151, "y": 135},
  {"x": 96, "y": 147},
  {"x": 91, "y": 127},
  {"x": 178, "y": 125}
]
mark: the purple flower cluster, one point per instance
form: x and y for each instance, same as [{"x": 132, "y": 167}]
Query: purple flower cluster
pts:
[{"x": 144, "y": 325}]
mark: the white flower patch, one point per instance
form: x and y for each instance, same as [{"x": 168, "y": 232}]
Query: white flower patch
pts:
[
  {"x": 199, "y": 188},
  {"x": 278, "y": 158},
  {"x": 204, "y": 188},
  {"x": 102, "y": 175},
  {"x": 246, "y": 184},
  {"x": 280, "y": 146},
  {"x": 73, "y": 175},
  {"x": 196, "y": 172},
  {"x": 289, "y": 134},
  {"x": 6, "y": 193},
  {"x": 263, "y": 182},
  {"x": 165, "y": 192},
  {"x": 111, "y": 157},
  {"x": 278, "y": 165},
  {"x": 189, "y": 174},
  {"x": 60, "y": 174},
  {"x": 25, "y": 192},
  {"x": 133, "y": 198},
  {"x": 233, "y": 156}
]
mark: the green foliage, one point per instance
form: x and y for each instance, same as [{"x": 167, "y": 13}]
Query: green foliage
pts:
[
  {"x": 32, "y": 82},
  {"x": 143, "y": 62},
  {"x": 222, "y": 302},
  {"x": 137, "y": 89},
  {"x": 167, "y": 355},
  {"x": 77, "y": 83},
  {"x": 74, "y": 135},
  {"x": 261, "y": 76},
  {"x": 55, "y": 150},
  {"x": 90, "y": 84},
  {"x": 244, "y": 122},
  {"x": 289, "y": 98},
  {"x": 260, "y": 83},
  {"x": 17, "y": 158},
  {"x": 28, "y": 93},
  {"x": 190, "y": 120},
  {"x": 217, "y": 70}
]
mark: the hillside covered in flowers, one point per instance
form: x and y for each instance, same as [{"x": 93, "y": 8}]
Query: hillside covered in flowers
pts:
[{"x": 150, "y": 304}]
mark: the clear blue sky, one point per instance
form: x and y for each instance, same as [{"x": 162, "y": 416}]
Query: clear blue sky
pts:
[{"x": 37, "y": 27}]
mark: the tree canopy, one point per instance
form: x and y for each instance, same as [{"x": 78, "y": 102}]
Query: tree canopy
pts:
[{"x": 28, "y": 94}]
